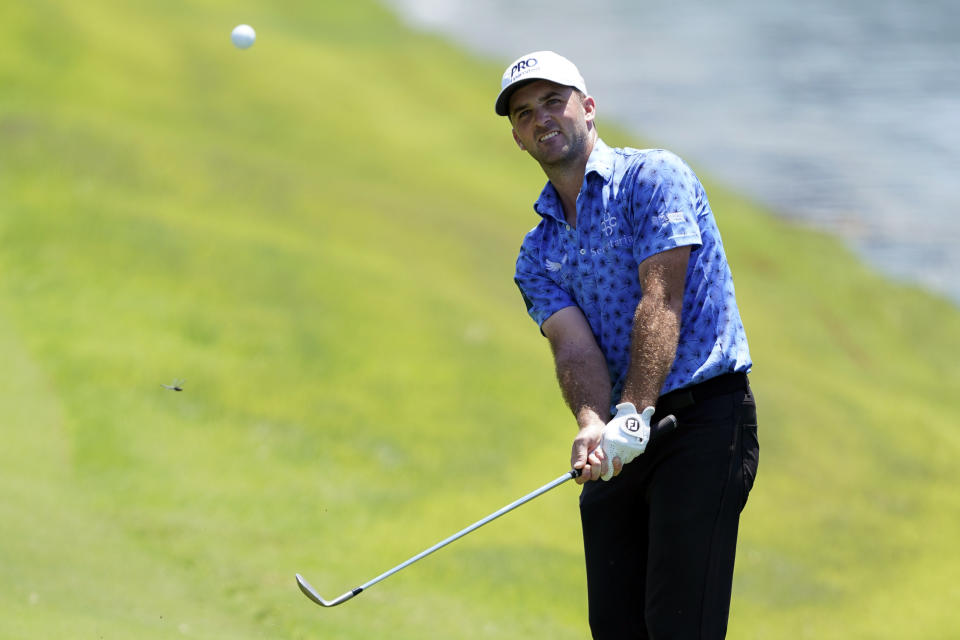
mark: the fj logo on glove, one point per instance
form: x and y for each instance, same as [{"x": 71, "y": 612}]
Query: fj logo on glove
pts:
[{"x": 632, "y": 425}]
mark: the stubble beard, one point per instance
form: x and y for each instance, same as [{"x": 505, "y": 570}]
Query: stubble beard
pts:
[{"x": 577, "y": 146}]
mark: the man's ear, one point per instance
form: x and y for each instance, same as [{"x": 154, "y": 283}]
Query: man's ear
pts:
[
  {"x": 516, "y": 139},
  {"x": 589, "y": 107}
]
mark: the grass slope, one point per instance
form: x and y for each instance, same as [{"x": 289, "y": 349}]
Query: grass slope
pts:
[{"x": 318, "y": 234}]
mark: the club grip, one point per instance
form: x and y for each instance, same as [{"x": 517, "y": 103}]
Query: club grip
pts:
[{"x": 662, "y": 428}]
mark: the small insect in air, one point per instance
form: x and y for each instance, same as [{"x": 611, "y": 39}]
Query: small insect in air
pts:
[{"x": 176, "y": 385}]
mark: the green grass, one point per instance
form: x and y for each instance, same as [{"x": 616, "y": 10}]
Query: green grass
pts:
[{"x": 318, "y": 235}]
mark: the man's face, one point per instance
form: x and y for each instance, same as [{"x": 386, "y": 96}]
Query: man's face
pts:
[{"x": 551, "y": 122}]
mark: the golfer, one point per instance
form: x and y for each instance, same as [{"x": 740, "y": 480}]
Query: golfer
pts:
[{"x": 626, "y": 275}]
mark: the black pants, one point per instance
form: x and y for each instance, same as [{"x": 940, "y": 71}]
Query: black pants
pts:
[{"x": 660, "y": 538}]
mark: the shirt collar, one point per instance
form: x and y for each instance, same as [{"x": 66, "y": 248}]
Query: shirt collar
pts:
[{"x": 600, "y": 162}]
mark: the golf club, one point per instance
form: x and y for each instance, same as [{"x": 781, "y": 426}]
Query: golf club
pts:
[{"x": 664, "y": 426}]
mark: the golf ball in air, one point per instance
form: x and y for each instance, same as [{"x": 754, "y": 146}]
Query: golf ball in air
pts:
[{"x": 243, "y": 36}]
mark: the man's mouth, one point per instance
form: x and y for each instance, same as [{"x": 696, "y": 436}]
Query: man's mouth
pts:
[{"x": 547, "y": 136}]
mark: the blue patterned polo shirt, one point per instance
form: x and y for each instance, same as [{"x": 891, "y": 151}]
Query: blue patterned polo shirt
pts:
[{"x": 634, "y": 204}]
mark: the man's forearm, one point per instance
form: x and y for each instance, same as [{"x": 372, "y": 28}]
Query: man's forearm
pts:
[
  {"x": 653, "y": 347},
  {"x": 584, "y": 382}
]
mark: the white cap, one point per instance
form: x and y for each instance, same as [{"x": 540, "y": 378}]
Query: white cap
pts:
[{"x": 539, "y": 65}]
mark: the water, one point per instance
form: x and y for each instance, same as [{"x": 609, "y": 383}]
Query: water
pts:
[{"x": 842, "y": 114}]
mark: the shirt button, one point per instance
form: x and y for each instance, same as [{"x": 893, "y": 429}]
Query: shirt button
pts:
[
  {"x": 583, "y": 252},
  {"x": 568, "y": 227}
]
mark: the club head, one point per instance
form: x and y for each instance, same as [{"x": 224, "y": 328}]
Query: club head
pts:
[{"x": 311, "y": 593}]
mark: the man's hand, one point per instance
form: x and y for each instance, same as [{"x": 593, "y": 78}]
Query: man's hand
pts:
[
  {"x": 587, "y": 454},
  {"x": 624, "y": 438}
]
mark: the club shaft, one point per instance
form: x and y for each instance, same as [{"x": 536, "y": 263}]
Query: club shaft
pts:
[
  {"x": 476, "y": 525},
  {"x": 311, "y": 593}
]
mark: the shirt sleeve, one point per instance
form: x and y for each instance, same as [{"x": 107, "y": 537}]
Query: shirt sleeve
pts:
[
  {"x": 541, "y": 294},
  {"x": 665, "y": 205}
]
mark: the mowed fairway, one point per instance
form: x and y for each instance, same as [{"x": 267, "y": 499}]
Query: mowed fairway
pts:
[{"x": 317, "y": 234}]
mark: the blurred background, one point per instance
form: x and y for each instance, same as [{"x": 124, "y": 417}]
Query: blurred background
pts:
[
  {"x": 843, "y": 115},
  {"x": 317, "y": 235}
]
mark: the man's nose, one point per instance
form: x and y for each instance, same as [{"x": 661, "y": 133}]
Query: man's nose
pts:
[{"x": 541, "y": 115}]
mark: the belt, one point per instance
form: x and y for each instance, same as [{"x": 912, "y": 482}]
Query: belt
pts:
[{"x": 680, "y": 399}]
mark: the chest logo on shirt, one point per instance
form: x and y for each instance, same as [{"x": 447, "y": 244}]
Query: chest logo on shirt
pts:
[
  {"x": 608, "y": 224},
  {"x": 554, "y": 267}
]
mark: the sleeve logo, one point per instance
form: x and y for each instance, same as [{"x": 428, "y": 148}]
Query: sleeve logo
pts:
[{"x": 676, "y": 217}]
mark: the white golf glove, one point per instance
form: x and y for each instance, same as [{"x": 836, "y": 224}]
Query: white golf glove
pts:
[{"x": 626, "y": 436}]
